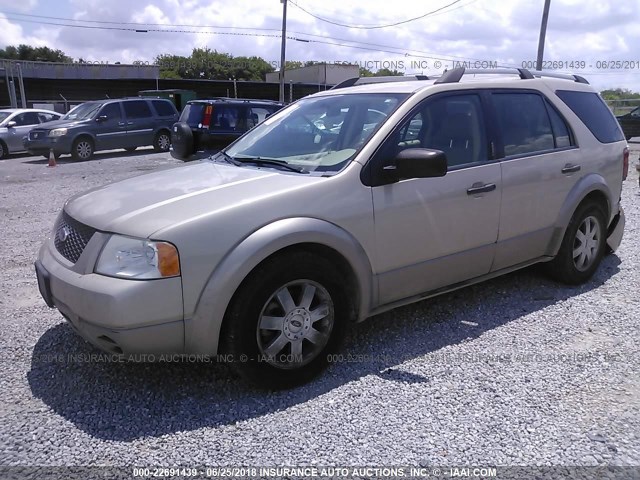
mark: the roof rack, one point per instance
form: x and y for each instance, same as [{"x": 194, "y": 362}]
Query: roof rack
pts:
[
  {"x": 232, "y": 99},
  {"x": 454, "y": 76},
  {"x": 566, "y": 76},
  {"x": 350, "y": 82}
]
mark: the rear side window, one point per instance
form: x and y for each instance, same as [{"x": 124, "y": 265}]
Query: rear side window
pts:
[
  {"x": 47, "y": 117},
  {"x": 561, "y": 133},
  {"x": 225, "y": 118},
  {"x": 524, "y": 123},
  {"x": 137, "y": 109},
  {"x": 257, "y": 115},
  {"x": 164, "y": 109},
  {"x": 594, "y": 113}
]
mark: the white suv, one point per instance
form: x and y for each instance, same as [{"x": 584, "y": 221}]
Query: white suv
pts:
[{"x": 345, "y": 204}]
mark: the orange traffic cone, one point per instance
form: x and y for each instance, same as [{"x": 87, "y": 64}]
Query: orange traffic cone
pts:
[{"x": 52, "y": 159}]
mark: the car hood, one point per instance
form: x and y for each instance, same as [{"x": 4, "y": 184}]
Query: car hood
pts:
[
  {"x": 142, "y": 205},
  {"x": 62, "y": 124}
]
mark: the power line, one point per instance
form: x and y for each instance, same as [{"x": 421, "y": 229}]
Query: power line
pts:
[
  {"x": 107, "y": 22},
  {"x": 140, "y": 30},
  {"x": 144, "y": 26},
  {"x": 355, "y": 44},
  {"x": 373, "y": 27}
]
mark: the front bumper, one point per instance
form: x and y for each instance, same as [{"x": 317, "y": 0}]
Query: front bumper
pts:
[
  {"x": 42, "y": 146},
  {"x": 119, "y": 316}
]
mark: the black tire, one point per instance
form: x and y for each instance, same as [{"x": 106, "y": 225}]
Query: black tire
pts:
[
  {"x": 255, "y": 302},
  {"x": 567, "y": 266},
  {"x": 182, "y": 141},
  {"x": 4, "y": 151},
  {"x": 82, "y": 149},
  {"x": 162, "y": 141},
  {"x": 131, "y": 149}
]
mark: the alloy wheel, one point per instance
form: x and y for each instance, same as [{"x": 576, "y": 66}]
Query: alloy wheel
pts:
[
  {"x": 295, "y": 324},
  {"x": 586, "y": 243}
]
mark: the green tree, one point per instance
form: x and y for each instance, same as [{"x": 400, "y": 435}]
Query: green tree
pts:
[
  {"x": 619, "y": 93},
  {"x": 212, "y": 65},
  {"x": 34, "y": 54},
  {"x": 365, "y": 72},
  {"x": 385, "y": 72}
]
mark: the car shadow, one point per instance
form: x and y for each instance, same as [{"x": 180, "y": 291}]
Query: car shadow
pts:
[
  {"x": 102, "y": 155},
  {"x": 126, "y": 401}
]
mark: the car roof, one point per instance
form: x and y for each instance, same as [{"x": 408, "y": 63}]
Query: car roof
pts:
[
  {"x": 20, "y": 110},
  {"x": 234, "y": 100},
  {"x": 460, "y": 78}
]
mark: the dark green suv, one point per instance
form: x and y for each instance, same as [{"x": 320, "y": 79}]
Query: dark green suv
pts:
[
  {"x": 212, "y": 124},
  {"x": 126, "y": 123}
]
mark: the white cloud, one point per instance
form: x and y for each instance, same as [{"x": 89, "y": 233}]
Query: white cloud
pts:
[{"x": 505, "y": 32}]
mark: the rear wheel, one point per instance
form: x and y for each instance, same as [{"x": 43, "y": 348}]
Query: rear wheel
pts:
[
  {"x": 285, "y": 320},
  {"x": 3, "y": 150},
  {"x": 583, "y": 246},
  {"x": 162, "y": 142},
  {"x": 82, "y": 149}
]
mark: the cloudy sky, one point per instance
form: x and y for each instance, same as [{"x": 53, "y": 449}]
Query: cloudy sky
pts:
[{"x": 593, "y": 34}]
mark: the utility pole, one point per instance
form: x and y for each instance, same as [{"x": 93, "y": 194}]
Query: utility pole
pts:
[
  {"x": 283, "y": 47},
  {"x": 21, "y": 84},
  {"x": 543, "y": 33}
]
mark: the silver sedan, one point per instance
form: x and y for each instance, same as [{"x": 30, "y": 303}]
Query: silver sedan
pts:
[{"x": 15, "y": 124}]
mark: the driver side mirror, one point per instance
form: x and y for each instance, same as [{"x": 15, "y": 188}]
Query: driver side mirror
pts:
[
  {"x": 417, "y": 163},
  {"x": 11, "y": 124}
]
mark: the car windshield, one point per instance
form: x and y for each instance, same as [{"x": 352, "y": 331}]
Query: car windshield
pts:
[
  {"x": 83, "y": 111},
  {"x": 4, "y": 116},
  {"x": 318, "y": 134}
]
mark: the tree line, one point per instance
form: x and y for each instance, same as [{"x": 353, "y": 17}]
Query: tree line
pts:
[{"x": 203, "y": 63}]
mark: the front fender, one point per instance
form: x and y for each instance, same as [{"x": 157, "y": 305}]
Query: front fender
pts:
[
  {"x": 586, "y": 185},
  {"x": 202, "y": 331}
]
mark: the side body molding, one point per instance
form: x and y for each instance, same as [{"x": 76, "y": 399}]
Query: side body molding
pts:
[
  {"x": 202, "y": 331},
  {"x": 590, "y": 183}
]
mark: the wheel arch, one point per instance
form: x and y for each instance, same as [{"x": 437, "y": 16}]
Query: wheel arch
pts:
[
  {"x": 202, "y": 331},
  {"x": 590, "y": 188},
  {"x": 87, "y": 135}
]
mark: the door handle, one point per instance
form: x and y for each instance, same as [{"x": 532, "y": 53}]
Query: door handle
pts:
[
  {"x": 129, "y": 123},
  {"x": 480, "y": 188},
  {"x": 568, "y": 168}
]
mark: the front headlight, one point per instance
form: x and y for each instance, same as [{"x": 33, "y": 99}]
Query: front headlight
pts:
[
  {"x": 128, "y": 257},
  {"x": 58, "y": 132}
]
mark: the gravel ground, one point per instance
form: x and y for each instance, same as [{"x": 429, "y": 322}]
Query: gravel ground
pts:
[{"x": 515, "y": 371}]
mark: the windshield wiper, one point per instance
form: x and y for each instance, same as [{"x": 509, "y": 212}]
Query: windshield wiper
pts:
[
  {"x": 269, "y": 161},
  {"x": 228, "y": 158}
]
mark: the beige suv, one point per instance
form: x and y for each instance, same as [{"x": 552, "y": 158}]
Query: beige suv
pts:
[{"x": 343, "y": 205}]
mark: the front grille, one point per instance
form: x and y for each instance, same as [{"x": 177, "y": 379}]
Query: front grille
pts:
[
  {"x": 71, "y": 236},
  {"x": 36, "y": 134}
]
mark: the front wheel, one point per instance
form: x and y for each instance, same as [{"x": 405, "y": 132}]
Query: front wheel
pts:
[
  {"x": 583, "y": 246},
  {"x": 162, "y": 142},
  {"x": 285, "y": 321},
  {"x": 82, "y": 149}
]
